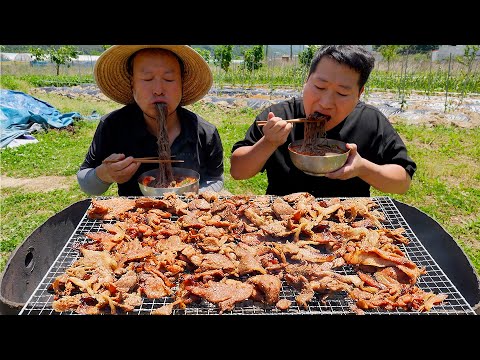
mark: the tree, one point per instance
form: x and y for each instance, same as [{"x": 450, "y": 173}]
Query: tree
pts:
[
  {"x": 253, "y": 58},
  {"x": 222, "y": 56},
  {"x": 389, "y": 52},
  {"x": 305, "y": 57},
  {"x": 204, "y": 53},
  {"x": 413, "y": 49},
  {"x": 61, "y": 56},
  {"x": 422, "y": 49},
  {"x": 38, "y": 54}
]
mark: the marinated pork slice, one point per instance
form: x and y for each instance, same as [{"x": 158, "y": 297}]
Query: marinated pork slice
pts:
[
  {"x": 282, "y": 209},
  {"x": 109, "y": 208},
  {"x": 248, "y": 262},
  {"x": 267, "y": 288},
  {"x": 225, "y": 293},
  {"x": 214, "y": 261},
  {"x": 153, "y": 286},
  {"x": 283, "y": 304}
]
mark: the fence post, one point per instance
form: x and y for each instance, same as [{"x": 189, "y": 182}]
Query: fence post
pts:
[{"x": 446, "y": 82}]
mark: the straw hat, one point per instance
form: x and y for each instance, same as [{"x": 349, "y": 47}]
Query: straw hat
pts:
[{"x": 113, "y": 79}]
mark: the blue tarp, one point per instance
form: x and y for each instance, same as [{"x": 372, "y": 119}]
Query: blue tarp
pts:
[{"x": 22, "y": 114}]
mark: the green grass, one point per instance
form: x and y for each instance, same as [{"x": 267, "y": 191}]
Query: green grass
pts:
[
  {"x": 446, "y": 185},
  {"x": 60, "y": 152}
]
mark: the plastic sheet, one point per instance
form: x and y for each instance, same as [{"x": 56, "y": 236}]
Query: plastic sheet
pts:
[{"x": 20, "y": 112}]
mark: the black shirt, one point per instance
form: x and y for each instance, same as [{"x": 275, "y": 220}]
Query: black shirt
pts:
[
  {"x": 366, "y": 126},
  {"x": 124, "y": 131}
]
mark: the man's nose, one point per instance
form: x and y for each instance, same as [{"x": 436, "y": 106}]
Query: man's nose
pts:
[
  {"x": 327, "y": 99},
  {"x": 158, "y": 88}
]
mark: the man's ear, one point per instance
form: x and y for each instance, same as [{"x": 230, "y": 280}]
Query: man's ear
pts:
[{"x": 361, "y": 91}]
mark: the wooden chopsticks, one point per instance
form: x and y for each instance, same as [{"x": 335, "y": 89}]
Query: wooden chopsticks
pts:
[
  {"x": 158, "y": 161},
  {"x": 263, "y": 122},
  {"x": 145, "y": 160}
]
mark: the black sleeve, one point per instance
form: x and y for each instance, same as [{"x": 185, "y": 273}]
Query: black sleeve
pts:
[
  {"x": 395, "y": 151},
  {"x": 215, "y": 155},
  {"x": 387, "y": 145}
]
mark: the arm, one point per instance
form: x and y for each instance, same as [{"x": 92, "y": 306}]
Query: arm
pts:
[
  {"x": 94, "y": 176},
  {"x": 247, "y": 161},
  {"x": 214, "y": 183},
  {"x": 90, "y": 183},
  {"x": 97, "y": 180},
  {"x": 388, "y": 178}
]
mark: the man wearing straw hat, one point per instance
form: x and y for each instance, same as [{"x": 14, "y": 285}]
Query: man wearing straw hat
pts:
[{"x": 141, "y": 77}]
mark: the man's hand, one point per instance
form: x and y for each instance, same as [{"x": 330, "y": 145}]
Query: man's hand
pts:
[
  {"x": 351, "y": 167},
  {"x": 117, "y": 169},
  {"x": 276, "y": 130}
]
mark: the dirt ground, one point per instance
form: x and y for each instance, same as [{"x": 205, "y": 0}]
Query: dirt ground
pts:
[{"x": 41, "y": 183}]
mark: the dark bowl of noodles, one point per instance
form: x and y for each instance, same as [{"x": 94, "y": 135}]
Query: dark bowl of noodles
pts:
[
  {"x": 326, "y": 156},
  {"x": 185, "y": 180}
]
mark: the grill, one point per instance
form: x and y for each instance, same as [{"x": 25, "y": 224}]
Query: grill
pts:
[{"x": 434, "y": 280}]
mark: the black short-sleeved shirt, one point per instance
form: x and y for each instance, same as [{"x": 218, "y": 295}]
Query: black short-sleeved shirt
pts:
[
  {"x": 124, "y": 131},
  {"x": 366, "y": 126}
]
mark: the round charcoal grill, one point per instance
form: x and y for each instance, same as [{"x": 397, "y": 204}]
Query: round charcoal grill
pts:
[
  {"x": 35, "y": 262},
  {"x": 31, "y": 260}
]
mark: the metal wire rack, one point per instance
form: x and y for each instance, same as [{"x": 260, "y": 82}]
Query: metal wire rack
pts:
[{"x": 435, "y": 280}]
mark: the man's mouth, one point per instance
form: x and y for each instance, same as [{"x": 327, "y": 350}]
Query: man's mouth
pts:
[{"x": 317, "y": 116}]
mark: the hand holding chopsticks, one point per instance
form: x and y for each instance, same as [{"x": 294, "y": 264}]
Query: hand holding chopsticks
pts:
[
  {"x": 263, "y": 122},
  {"x": 145, "y": 160}
]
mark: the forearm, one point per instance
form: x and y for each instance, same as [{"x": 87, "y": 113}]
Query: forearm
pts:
[
  {"x": 247, "y": 161},
  {"x": 90, "y": 183},
  {"x": 389, "y": 178},
  {"x": 211, "y": 184}
]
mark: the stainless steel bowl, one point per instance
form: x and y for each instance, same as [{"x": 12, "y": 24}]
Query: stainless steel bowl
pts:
[
  {"x": 177, "y": 171},
  {"x": 319, "y": 165}
]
